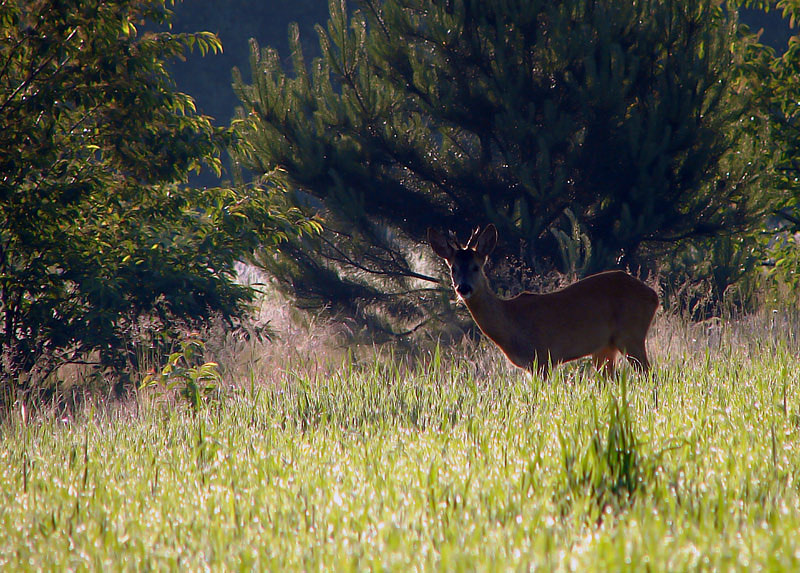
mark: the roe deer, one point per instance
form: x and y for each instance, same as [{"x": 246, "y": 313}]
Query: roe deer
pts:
[{"x": 602, "y": 315}]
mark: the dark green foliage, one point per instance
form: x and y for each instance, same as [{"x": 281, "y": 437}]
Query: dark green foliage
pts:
[
  {"x": 99, "y": 239},
  {"x": 778, "y": 89},
  {"x": 629, "y": 127}
]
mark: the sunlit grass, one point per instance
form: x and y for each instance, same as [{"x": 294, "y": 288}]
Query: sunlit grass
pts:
[{"x": 438, "y": 463}]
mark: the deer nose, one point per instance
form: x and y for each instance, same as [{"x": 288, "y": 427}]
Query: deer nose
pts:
[{"x": 464, "y": 290}]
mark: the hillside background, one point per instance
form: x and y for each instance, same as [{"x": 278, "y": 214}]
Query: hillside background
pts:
[{"x": 208, "y": 79}]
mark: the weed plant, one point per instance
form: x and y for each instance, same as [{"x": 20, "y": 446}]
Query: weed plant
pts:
[{"x": 450, "y": 461}]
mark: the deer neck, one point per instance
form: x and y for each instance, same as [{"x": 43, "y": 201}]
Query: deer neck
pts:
[{"x": 489, "y": 313}]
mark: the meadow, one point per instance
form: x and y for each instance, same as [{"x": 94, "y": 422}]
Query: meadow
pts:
[{"x": 452, "y": 461}]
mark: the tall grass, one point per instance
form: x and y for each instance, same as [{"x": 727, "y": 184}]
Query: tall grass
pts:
[{"x": 449, "y": 461}]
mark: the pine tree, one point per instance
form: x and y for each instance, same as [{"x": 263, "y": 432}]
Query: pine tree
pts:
[{"x": 627, "y": 127}]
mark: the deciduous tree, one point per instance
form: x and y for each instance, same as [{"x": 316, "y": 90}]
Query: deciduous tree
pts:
[{"x": 99, "y": 234}]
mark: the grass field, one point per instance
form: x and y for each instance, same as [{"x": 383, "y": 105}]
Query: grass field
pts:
[{"x": 450, "y": 462}]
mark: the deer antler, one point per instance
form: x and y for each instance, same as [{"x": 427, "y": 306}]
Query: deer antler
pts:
[{"x": 473, "y": 239}]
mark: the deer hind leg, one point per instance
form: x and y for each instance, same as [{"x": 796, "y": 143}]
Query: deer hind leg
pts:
[{"x": 605, "y": 359}]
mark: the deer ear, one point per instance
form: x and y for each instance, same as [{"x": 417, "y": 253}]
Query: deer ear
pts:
[
  {"x": 486, "y": 241},
  {"x": 440, "y": 245}
]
